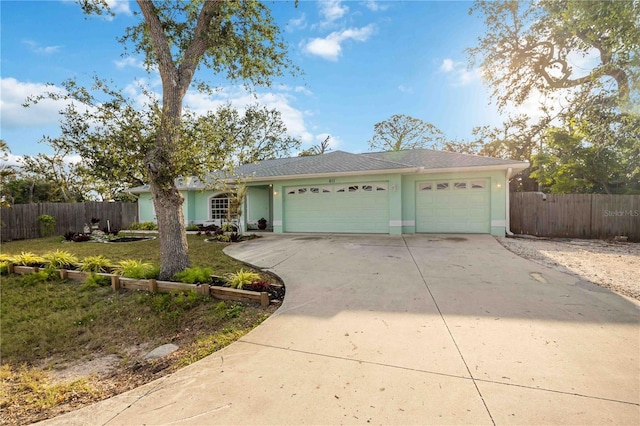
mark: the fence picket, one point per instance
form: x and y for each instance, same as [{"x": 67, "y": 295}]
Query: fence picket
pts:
[
  {"x": 20, "y": 221},
  {"x": 575, "y": 215}
]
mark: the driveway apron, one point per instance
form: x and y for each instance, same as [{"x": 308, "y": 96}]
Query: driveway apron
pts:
[{"x": 420, "y": 329}]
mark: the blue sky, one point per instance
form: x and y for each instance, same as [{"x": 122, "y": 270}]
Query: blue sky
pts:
[{"x": 363, "y": 61}]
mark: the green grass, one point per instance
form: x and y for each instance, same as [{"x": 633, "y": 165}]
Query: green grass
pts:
[
  {"x": 201, "y": 253},
  {"x": 47, "y": 322}
]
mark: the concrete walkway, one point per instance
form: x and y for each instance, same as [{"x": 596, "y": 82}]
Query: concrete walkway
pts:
[{"x": 407, "y": 330}]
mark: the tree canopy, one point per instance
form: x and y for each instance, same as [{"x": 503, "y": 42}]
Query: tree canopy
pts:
[
  {"x": 401, "y": 132},
  {"x": 581, "y": 59}
]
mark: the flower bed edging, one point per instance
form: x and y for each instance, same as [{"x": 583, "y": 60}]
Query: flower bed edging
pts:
[{"x": 153, "y": 286}]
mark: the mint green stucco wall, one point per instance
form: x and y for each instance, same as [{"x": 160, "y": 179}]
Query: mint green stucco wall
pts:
[
  {"x": 257, "y": 204},
  {"x": 146, "y": 211},
  {"x": 402, "y": 199}
]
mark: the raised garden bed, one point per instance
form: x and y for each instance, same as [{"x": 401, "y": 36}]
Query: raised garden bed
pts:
[{"x": 214, "y": 290}]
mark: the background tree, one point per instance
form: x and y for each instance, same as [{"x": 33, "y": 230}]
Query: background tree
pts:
[
  {"x": 238, "y": 39},
  {"x": 319, "y": 149},
  {"x": 529, "y": 49},
  {"x": 401, "y": 132}
]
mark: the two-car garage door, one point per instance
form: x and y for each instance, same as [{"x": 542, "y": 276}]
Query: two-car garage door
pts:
[
  {"x": 461, "y": 205},
  {"x": 353, "y": 207},
  {"x": 447, "y": 205}
]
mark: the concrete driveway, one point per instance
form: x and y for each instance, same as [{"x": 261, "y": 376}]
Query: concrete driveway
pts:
[{"x": 418, "y": 329}]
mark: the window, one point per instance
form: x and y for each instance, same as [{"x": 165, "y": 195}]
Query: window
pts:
[
  {"x": 302, "y": 190},
  {"x": 219, "y": 206},
  {"x": 381, "y": 187},
  {"x": 367, "y": 188},
  {"x": 341, "y": 189},
  {"x": 442, "y": 185},
  {"x": 460, "y": 185},
  {"x": 326, "y": 189},
  {"x": 353, "y": 188},
  {"x": 315, "y": 190},
  {"x": 425, "y": 186},
  {"x": 291, "y": 191},
  {"x": 478, "y": 184}
]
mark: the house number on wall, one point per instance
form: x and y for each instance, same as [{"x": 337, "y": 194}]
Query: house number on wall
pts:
[{"x": 332, "y": 181}]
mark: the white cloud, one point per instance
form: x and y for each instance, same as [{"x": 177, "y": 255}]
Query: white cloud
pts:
[
  {"x": 375, "y": 6},
  {"x": 405, "y": 89},
  {"x": 332, "y": 10},
  {"x": 303, "y": 90},
  {"x": 239, "y": 98},
  {"x": 13, "y": 94},
  {"x": 447, "y": 65},
  {"x": 41, "y": 50},
  {"x": 119, "y": 6},
  {"x": 458, "y": 72},
  {"x": 297, "y": 23},
  {"x": 330, "y": 47},
  {"x": 129, "y": 61}
]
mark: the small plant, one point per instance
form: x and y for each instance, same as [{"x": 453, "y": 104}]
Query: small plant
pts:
[
  {"x": 193, "y": 227},
  {"x": 46, "y": 224},
  {"x": 95, "y": 264},
  {"x": 60, "y": 259},
  {"x": 234, "y": 237},
  {"x": 228, "y": 227},
  {"x": 27, "y": 259},
  {"x": 136, "y": 269},
  {"x": 94, "y": 281},
  {"x": 4, "y": 267},
  {"x": 194, "y": 276},
  {"x": 95, "y": 221},
  {"x": 259, "y": 285},
  {"x": 262, "y": 223},
  {"x": 143, "y": 226},
  {"x": 241, "y": 278},
  {"x": 223, "y": 238}
]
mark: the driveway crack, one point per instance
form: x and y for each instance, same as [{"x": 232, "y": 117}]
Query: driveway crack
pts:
[{"x": 435, "y": 302}]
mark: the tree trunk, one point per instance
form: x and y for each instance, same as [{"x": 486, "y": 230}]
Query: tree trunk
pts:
[{"x": 174, "y": 250}]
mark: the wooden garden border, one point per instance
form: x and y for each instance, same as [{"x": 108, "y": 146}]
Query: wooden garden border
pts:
[{"x": 154, "y": 286}]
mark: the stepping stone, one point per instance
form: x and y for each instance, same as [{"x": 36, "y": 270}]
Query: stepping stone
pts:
[{"x": 161, "y": 351}]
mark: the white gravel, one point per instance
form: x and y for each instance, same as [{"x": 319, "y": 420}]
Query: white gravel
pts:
[{"x": 613, "y": 265}]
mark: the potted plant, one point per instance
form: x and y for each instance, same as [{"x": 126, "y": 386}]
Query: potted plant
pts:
[{"x": 262, "y": 223}]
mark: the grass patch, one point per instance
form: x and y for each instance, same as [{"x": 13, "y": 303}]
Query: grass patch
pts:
[{"x": 49, "y": 324}]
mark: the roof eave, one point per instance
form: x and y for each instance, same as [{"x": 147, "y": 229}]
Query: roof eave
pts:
[
  {"x": 516, "y": 167},
  {"x": 332, "y": 174}
]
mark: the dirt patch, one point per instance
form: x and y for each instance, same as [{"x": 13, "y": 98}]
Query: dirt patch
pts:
[{"x": 612, "y": 265}]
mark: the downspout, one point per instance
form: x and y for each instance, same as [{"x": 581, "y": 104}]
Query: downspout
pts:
[{"x": 507, "y": 221}]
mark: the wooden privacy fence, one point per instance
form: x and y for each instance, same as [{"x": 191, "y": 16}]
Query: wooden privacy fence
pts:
[
  {"x": 20, "y": 221},
  {"x": 575, "y": 215}
]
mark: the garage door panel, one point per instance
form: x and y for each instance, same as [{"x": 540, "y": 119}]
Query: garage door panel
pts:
[
  {"x": 460, "y": 205},
  {"x": 337, "y": 208}
]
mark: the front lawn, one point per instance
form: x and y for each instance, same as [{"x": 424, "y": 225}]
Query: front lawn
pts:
[{"x": 49, "y": 325}]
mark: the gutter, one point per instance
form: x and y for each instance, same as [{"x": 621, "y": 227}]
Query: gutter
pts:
[{"x": 507, "y": 221}]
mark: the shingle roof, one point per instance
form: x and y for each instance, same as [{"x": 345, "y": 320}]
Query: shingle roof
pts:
[
  {"x": 431, "y": 159},
  {"x": 337, "y": 162}
]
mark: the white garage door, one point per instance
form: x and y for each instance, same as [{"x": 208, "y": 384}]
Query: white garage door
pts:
[
  {"x": 453, "y": 206},
  {"x": 354, "y": 207}
]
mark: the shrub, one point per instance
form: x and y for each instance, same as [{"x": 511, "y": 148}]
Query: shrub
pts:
[
  {"x": 46, "y": 224},
  {"x": 143, "y": 226},
  {"x": 95, "y": 264},
  {"x": 94, "y": 281},
  {"x": 241, "y": 278},
  {"x": 228, "y": 227},
  {"x": 193, "y": 227},
  {"x": 222, "y": 238},
  {"x": 27, "y": 259},
  {"x": 234, "y": 237},
  {"x": 136, "y": 269},
  {"x": 68, "y": 236},
  {"x": 194, "y": 276},
  {"x": 60, "y": 259}
]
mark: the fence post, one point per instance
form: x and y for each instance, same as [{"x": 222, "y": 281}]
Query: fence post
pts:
[
  {"x": 115, "y": 282},
  {"x": 153, "y": 286}
]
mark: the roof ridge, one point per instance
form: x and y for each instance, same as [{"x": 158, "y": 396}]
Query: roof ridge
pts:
[{"x": 384, "y": 161}]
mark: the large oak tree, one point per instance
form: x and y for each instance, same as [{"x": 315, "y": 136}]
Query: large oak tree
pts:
[
  {"x": 237, "y": 39},
  {"x": 400, "y": 132}
]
